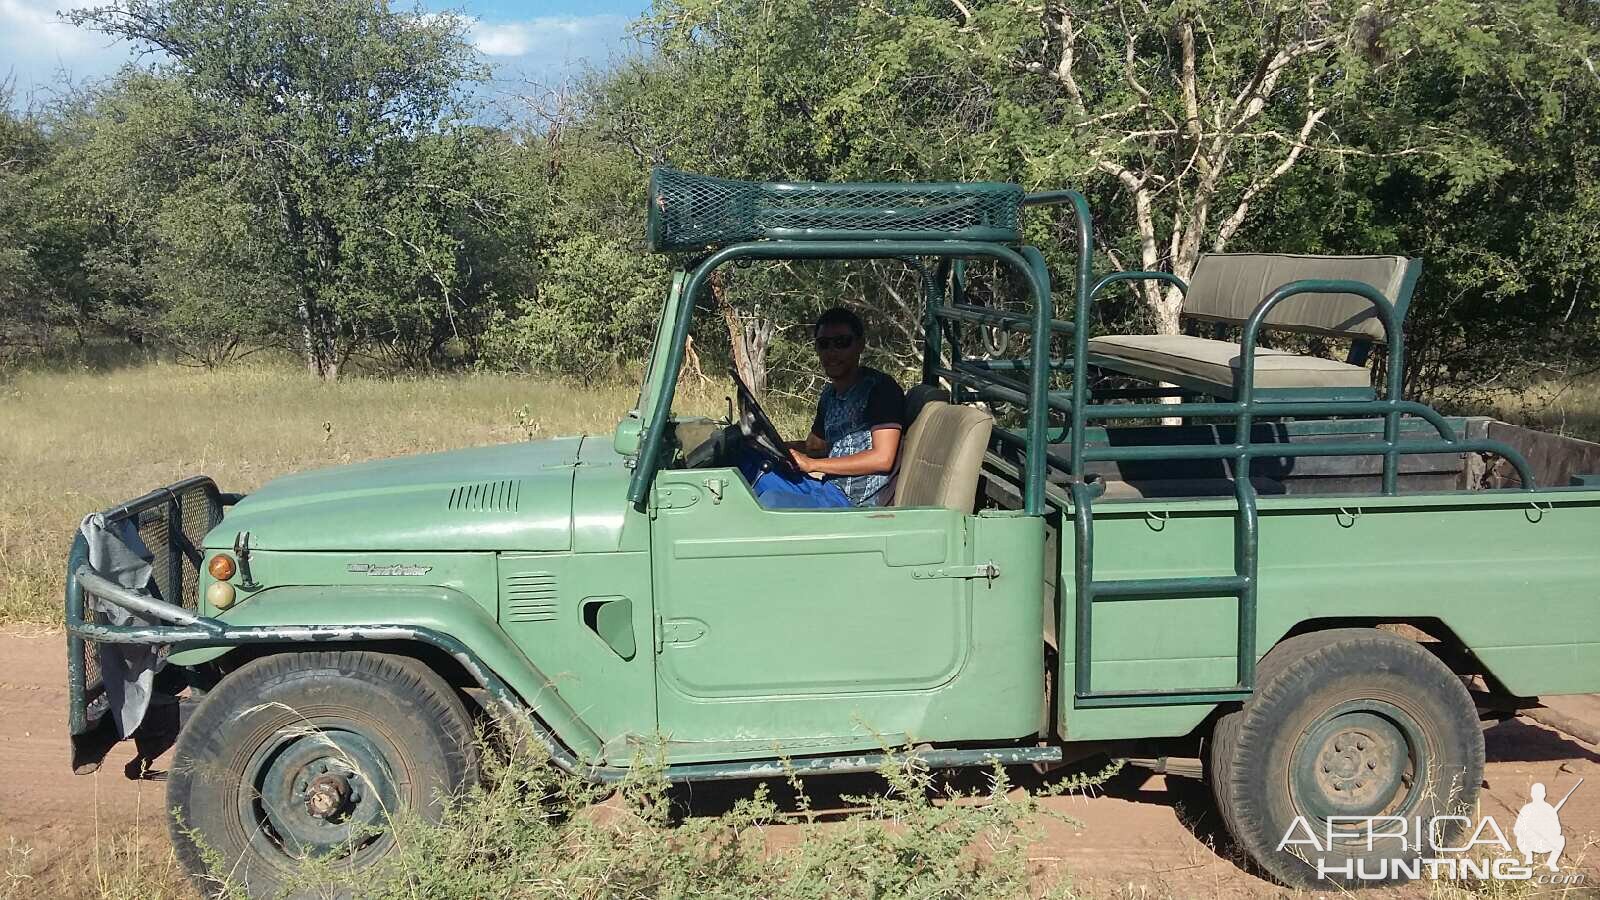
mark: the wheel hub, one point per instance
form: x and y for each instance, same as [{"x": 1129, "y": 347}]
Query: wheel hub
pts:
[
  {"x": 1357, "y": 760},
  {"x": 320, "y": 792},
  {"x": 1352, "y": 759},
  {"x": 328, "y": 795}
]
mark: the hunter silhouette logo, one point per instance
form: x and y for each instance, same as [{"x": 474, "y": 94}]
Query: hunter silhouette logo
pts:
[
  {"x": 1450, "y": 846},
  {"x": 1538, "y": 827}
]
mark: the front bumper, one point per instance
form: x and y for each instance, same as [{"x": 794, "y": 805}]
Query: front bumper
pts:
[{"x": 172, "y": 522}]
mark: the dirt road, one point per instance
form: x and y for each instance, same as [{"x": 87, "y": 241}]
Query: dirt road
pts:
[{"x": 1141, "y": 835}]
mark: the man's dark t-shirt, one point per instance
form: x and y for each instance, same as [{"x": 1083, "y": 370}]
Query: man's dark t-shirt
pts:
[{"x": 846, "y": 423}]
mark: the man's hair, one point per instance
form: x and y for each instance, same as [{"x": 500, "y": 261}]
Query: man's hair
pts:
[{"x": 840, "y": 316}]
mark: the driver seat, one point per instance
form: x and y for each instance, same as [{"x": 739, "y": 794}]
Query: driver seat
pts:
[{"x": 942, "y": 456}]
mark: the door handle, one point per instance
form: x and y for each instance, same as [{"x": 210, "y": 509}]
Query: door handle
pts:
[{"x": 987, "y": 570}]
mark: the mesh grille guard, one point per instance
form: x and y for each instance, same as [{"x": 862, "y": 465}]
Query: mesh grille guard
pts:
[
  {"x": 172, "y": 522},
  {"x": 696, "y": 212}
]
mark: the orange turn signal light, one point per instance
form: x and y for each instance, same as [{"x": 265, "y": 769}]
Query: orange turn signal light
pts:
[{"x": 221, "y": 567}]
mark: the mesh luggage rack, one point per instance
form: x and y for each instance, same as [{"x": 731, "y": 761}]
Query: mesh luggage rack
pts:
[{"x": 694, "y": 212}]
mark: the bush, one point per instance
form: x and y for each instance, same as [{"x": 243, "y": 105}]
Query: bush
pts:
[
  {"x": 531, "y": 831},
  {"x": 594, "y": 309}
]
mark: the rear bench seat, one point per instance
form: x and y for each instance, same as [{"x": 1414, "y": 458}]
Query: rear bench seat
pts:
[{"x": 1227, "y": 288}]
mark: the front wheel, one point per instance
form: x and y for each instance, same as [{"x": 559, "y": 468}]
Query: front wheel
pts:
[
  {"x": 303, "y": 755},
  {"x": 1335, "y": 769}
]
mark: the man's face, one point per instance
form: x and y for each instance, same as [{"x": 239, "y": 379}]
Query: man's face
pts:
[{"x": 838, "y": 361}]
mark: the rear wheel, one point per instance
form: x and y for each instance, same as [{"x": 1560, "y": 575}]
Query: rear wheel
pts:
[
  {"x": 305, "y": 755},
  {"x": 1346, "y": 723}
]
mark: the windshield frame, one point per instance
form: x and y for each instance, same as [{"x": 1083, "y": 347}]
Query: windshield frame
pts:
[{"x": 662, "y": 381}]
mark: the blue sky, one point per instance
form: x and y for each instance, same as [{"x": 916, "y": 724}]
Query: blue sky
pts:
[{"x": 540, "y": 41}]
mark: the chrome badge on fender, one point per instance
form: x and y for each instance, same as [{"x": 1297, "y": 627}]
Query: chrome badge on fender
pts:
[{"x": 398, "y": 569}]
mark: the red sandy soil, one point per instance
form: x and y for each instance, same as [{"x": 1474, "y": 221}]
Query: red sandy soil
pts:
[{"x": 1140, "y": 835}]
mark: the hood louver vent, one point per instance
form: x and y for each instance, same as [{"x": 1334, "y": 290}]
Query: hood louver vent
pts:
[
  {"x": 487, "y": 496},
  {"x": 529, "y": 597}
]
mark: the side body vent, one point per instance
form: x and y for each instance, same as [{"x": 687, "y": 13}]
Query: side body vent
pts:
[
  {"x": 486, "y": 496},
  {"x": 528, "y": 597}
]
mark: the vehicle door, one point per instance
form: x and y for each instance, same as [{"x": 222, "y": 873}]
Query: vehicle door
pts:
[{"x": 800, "y": 628}]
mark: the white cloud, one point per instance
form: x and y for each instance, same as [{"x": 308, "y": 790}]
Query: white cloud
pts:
[
  {"x": 550, "y": 43},
  {"x": 37, "y": 45}
]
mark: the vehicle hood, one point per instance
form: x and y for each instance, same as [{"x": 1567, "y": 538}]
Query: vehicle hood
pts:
[{"x": 505, "y": 497}]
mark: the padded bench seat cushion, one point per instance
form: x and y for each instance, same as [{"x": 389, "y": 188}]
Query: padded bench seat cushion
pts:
[{"x": 1217, "y": 362}]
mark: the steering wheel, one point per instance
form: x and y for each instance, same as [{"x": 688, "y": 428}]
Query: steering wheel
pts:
[{"x": 759, "y": 432}]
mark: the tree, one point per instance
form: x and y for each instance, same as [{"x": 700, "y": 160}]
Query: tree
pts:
[
  {"x": 1198, "y": 111},
  {"x": 334, "y": 120},
  {"x": 1183, "y": 121},
  {"x": 22, "y": 315}
]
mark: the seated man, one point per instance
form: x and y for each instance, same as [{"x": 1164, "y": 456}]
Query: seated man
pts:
[{"x": 855, "y": 435}]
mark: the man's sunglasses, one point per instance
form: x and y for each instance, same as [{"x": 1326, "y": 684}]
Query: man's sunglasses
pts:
[{"x": 837, "y": 342}]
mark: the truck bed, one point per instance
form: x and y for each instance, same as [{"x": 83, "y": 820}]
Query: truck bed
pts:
[{"x": 1510, "y": 576}]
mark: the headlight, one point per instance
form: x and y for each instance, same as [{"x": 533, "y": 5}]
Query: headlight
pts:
[
  {"x": 219, "y": 594},
  {"x": 221, "y": 567}
]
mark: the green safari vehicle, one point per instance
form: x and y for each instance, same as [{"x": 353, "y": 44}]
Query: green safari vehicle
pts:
[{"x": 1309, "y": 589}]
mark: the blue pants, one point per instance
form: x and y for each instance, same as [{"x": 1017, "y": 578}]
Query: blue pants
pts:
[{"x": 775, "y": 491}]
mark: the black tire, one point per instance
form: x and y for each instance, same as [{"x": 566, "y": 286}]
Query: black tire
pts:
[
  {"x": 365, "y": 735},
  {"x": 1350, "y": 721}
]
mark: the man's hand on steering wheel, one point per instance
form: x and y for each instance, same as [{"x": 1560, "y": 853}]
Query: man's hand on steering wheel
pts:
[{"x": 801, "y": 461}]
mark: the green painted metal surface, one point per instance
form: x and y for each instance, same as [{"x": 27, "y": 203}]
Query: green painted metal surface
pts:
[
  {"x": 506, "y": 497},
  {"x": 810, "y": 630},
  {"x": 1515, "y": 577},
  {"x": 694, "y": 212},
  {"x": 439, "y": 609},
  {"x": 543, "y": 599}
]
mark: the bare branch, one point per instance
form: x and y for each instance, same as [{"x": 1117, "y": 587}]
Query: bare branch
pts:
[
  {"x": 1191, "y": 98},
  {"x": 1237, "y": 217},
  {"x": 1149, "y": 256},
  {"x": 1130, "y": 75},
  {"x": 1063, "y": 73}
]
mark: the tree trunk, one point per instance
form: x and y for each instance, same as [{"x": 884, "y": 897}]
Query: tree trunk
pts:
[
  {"x": 1167, "y": 309},
  {"x": 308, "y": 340},
  {"x": 318, "y": 339},
  {"x": 749, "y": 337}
]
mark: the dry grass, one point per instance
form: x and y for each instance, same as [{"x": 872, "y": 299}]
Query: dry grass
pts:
[
  {"x": 75, "y": 442},
  {"x": 136, "y": 865},
  {"x": 1570, "y": 408}
]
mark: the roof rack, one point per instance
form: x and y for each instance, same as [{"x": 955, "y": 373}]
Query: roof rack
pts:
[{"x": 697, "y": 212}]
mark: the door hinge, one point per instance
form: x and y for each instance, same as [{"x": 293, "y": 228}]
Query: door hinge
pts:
[
  {"x": 673, "y": 496},
  {"x": 986, "y": 570},
  {"x": 678, "y": 631}
]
